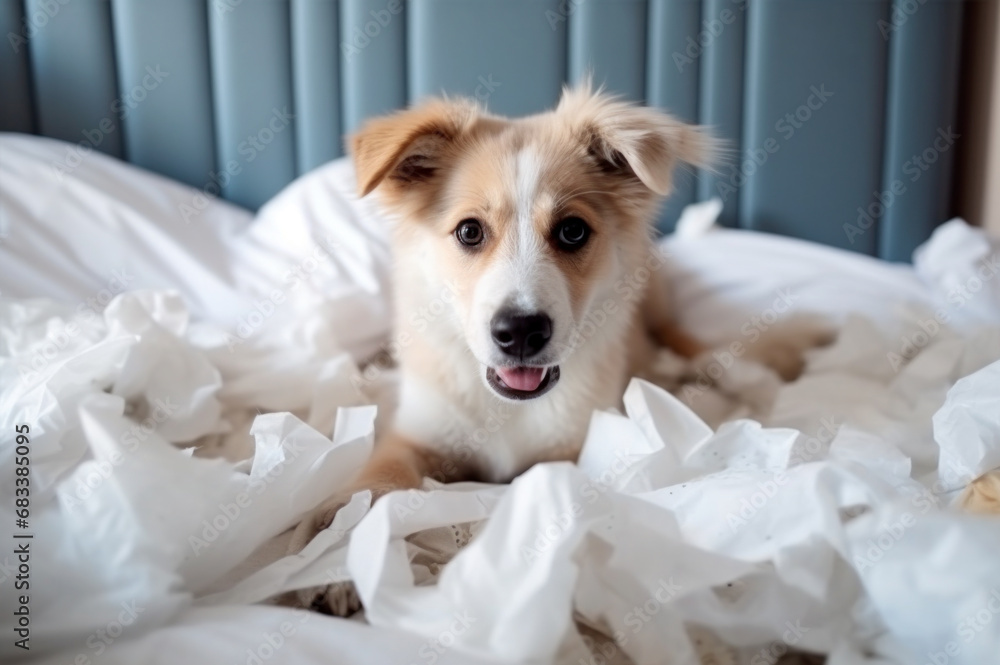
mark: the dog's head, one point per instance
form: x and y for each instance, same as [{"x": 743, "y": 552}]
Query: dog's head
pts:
[{"x": 533, "y": 221}]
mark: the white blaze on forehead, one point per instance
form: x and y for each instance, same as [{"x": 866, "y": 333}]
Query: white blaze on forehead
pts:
[
  {"x": 527, "y": 250},
  {"x": 528, "y": 171}
]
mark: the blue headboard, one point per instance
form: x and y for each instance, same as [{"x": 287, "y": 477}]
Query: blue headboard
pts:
[{"x": 840, "y": 109}]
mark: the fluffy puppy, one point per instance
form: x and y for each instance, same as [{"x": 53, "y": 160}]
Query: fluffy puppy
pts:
[{"x": 509, "y": 235}]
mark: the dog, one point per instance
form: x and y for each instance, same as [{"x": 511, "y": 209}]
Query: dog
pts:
[{"x": 519, "y": 230}]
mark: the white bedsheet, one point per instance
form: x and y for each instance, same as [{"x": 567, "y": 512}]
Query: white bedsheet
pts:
[{"x": 827, "y": 530}]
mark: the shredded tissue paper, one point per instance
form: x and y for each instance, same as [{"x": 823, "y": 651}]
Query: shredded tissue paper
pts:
[{"x": 168, "y": 465}]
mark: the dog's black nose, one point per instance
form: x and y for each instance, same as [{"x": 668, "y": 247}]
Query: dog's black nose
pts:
[{"x": 521, "y": 335}]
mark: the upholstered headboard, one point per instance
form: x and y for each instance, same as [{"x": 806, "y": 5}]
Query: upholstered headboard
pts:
[{"x": 842, "y": 111}]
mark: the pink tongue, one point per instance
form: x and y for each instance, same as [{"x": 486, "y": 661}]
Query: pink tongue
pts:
[{"x": 521, "y": 378}]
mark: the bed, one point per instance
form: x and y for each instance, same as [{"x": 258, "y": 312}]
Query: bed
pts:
[
  {"x": 190, "y": 396},
  {"x": 195, "y": 353}
]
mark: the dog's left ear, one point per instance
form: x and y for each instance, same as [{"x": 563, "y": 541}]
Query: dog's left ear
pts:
[
  {"x": 410, "y": 146},
  {"x": 636, "y": 140}
]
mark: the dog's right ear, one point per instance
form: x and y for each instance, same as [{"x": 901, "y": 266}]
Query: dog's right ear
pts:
[{"x": 410, "y": 147}]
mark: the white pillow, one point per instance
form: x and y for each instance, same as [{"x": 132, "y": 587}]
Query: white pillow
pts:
[
  {"x": 325, "y": 250},
  {"x": 84, "y": 230}
]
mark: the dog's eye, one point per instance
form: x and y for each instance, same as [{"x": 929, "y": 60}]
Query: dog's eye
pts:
[
  {"x": 469, "y": 232},
  {"x": 572, "y": 233}
]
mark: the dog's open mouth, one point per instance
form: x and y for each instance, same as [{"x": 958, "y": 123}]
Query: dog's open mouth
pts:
[{"x": 522, "y": 382}]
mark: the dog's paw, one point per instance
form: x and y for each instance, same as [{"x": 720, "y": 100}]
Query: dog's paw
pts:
[
  {"x": 787, "y": 361},
  {"x": 783, "y": 346},
  {"x": 339, "y": 599},
  {"x": 314, "y": 522}
]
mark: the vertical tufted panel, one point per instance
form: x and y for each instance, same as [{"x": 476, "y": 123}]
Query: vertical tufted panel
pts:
[
  {"x": 166, "y": 96},
  {"x": 373, "y": 58},
  {"x": 509, "y": 54},
  {"x": 718, "y": 51},
  {"x": 672, "y": 86},
  {"x": 73, "y": 70},
  {"x": 17, "y": 110},
  {"x": 316, "y": 49},
  {"x": 240, "y": 96},
  {"x": 252, "y": 94},
  {"x": 608, "y": 39},
  {"x": 826, "y": 160},
  {"x": 919, "y": 123}
]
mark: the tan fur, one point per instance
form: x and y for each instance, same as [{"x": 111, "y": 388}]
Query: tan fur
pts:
[
  {"x": 982, "y": 496},
  {"x": 594, "y": 157}
]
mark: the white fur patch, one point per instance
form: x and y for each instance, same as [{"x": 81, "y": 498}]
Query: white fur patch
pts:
[{"x": 528, "y": 250}]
